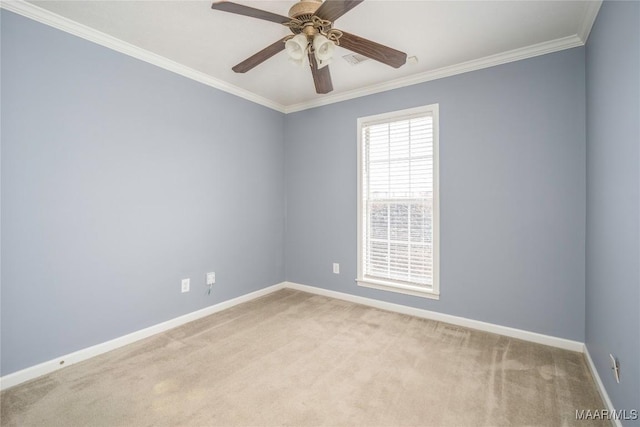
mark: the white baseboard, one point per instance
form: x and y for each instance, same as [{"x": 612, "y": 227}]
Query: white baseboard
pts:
[
  {"x": 447, "y": 318},
  {"x": 86, "y": 353},
  {"x": 600, "y": 384},
  {"x": 89, "y": 352}
]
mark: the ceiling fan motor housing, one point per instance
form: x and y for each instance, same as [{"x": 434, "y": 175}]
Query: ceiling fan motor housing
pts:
[{"x": 304, "y": 9}]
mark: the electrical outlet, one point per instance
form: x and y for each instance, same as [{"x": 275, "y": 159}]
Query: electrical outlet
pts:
[
  {"x": 185, "y": 285},
  {"x": 336, "y": 268},
  {"x": 615, "y": 366},
  {"x": 211, "y": 278}
]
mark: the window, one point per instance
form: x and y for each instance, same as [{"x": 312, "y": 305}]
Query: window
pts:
[{"x": 398, "y": 238}]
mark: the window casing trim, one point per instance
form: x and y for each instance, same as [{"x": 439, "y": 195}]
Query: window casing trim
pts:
[
  {"x": 432, "y": 292},
  {"x": 387, "y": 285}
]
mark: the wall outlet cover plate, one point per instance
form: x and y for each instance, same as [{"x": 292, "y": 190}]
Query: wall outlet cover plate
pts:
[
  {"x": 211, "y": 278},
  {"x": 615, "y": 365}
]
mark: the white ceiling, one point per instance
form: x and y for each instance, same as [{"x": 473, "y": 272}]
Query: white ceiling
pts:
[{"x": 448, "y": 37}]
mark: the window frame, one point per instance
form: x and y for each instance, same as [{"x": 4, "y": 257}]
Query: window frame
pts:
[{"x": 390, "y": 285}]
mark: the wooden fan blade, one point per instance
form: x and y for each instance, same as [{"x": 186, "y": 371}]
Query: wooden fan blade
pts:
[
  {"x": 373, "y": 50},
  {"x": 334, "y": 9},
  {"x": 227, "y": 6},
  {"x": 321, "y": 77},
  {"x": 260, "y": 57}
]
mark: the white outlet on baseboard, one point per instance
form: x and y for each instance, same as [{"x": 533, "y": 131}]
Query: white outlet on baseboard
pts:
[
  {"x": 336, "y": 268},
  {"x": 185, "y": 285}
]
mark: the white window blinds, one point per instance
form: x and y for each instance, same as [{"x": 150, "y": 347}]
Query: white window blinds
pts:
[{"x": 397, "y": 220}]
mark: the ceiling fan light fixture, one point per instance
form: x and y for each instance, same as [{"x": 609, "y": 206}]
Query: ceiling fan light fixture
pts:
[
  {"x": 323, "y": 47},
  {"x": 307, "y": 19},
  {"x": 297, "y": 48},
  {"x": 323, "y": 50}
]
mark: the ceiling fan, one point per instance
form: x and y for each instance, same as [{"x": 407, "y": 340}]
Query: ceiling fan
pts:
[{"x": 313, "y": 39}]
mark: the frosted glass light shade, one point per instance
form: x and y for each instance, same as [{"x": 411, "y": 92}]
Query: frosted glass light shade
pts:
[
  {"x": 297, "y": 47},
  {"x": 323, "y": 49}
]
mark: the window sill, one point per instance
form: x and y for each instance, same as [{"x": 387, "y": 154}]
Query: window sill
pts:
[{"x": 399, "y": 288}]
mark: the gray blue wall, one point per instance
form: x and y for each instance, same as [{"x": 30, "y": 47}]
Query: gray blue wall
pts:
[
  {"x": 613, "y": 199},
  {"x": 512, "y": 160},
  {"x": 118, "y": 180}
]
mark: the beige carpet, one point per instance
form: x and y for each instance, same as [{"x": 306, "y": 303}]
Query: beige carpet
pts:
[{"x": 297, "y": 359}]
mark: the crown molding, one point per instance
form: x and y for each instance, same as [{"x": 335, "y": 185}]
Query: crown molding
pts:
[
  {"x": 464, "y": 67},
  {"x": 588, "y": 19},
  {"x": 46, "y": 17},
  {"x": 51, "y": 19}
]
